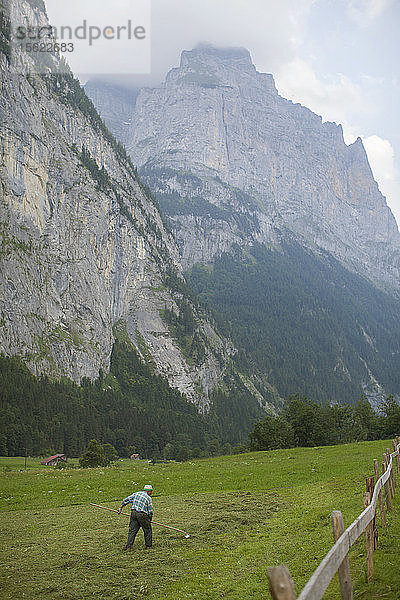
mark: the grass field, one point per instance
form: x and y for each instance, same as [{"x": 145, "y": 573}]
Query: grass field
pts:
[{"x": 244, "y": 513}]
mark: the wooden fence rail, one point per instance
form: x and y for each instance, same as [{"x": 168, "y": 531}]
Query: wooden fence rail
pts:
[{"x": 280, "y": 582}]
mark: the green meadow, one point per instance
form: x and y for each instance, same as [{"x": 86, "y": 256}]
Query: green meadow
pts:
[{"x": 243, "y": 512}]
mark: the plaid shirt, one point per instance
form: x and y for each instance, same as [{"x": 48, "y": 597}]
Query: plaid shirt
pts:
[{"x": 141, "y": 501}]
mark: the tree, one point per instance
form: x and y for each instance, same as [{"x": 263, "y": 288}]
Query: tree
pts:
[
  {"x": 391, "y": 412},
  {"x": 110, "y": 453},
  {"x": 169, "y": 451},
  {"x": 307, "y": 420},
  {"x": 182, "y": 453},
  {"x": 366, "y": 422},
  {"x": 271, "y": 433},
  {"x": 339, "y": 424},
  {"x": 214, "y": 447},
  {"x": 93, "y": 456}
]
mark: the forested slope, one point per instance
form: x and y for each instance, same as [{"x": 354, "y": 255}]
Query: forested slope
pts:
[{"x": 305, "y": 321}]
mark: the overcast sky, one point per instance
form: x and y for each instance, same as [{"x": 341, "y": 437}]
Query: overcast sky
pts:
[{"x": 337, "y": 57}]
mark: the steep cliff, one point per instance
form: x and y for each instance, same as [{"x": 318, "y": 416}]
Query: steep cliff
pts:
[
  {"x": 232, "y": 161},
  {"x": 83, "y": 245}
]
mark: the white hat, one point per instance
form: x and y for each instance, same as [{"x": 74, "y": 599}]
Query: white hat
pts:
[{"x": 148, "y": 488}]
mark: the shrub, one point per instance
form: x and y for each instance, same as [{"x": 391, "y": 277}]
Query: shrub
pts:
[{"x": 94, "y": 456}]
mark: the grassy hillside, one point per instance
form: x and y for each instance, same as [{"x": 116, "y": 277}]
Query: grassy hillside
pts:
[{"x": 243, "y": 512}]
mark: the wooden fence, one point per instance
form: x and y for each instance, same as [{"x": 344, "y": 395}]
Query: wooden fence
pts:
[{"x": 379, "y": 492}]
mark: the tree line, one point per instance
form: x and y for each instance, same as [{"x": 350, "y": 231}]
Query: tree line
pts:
[
  {"x": 306, "y": 423},
  {"x": 132, "y": 408}
]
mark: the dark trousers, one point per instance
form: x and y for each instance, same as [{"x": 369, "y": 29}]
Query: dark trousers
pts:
[{"x": 139, "y": 520}]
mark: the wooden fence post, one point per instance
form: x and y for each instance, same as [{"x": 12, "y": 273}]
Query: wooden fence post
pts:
[
  {"x": 381, "y": 505},
  {"x": 397, "y": 441},
  {"x": 394, "y": 444},
  {"x": 369, "y": 541},
  {"x": 391, "y": 486},
  {"x": 346, "y": 587},
  {"x": 370, "y": 485},
  {"x": 280, "y": 583},
  {"x": 387, "y": 486},
  {"x": 392, "y": 479}
]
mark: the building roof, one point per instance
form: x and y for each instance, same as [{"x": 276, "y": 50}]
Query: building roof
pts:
[{"x": 50, "y": 458}]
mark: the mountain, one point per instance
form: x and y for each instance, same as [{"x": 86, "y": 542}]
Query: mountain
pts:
[
  {"x": 85, "y": 253},
  {"x": 280, "y": 167},
  {"x": 271, "y": 269},
  {"x": 280, "y": 226},
  {"x": 117, "y": 106}
]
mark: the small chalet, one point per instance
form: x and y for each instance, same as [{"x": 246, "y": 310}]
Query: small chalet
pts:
[
  {"x": 134, "y": 456},
  {"x": 54, "y": 460}
]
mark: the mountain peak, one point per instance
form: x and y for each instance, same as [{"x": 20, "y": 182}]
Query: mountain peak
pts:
[
  {"x": 209, "y": 51},
  {"x": 210, "y": 66}
]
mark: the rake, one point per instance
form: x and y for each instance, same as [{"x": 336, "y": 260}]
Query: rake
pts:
[{"x": 186, "y": 534}]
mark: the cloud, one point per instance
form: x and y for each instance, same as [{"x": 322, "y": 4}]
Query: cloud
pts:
[
  {"x": 381, "y": 157},
  {"x": 364, "y": 12},
  {"x": 270, "y": 30},
  {"x": 334, "y": 97},
  {"x": 370, "y": 80}
]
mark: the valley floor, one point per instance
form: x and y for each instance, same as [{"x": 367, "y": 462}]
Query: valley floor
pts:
[{"x": 244, "y": 513}]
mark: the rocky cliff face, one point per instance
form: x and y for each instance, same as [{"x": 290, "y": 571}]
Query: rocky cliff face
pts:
[
  {"x": 83, "y": 247},
  {"x": 117, "y": 106},
  {"x": 233, "y": 164},
  {"x": 232, "y": 161}
]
